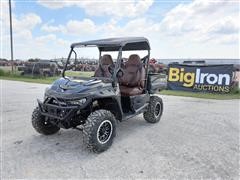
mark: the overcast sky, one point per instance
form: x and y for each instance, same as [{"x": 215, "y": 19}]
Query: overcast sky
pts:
[{"x": 176, "y": 29}]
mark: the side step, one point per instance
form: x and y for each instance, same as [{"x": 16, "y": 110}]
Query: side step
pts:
[{"x": 138, "y": 111}]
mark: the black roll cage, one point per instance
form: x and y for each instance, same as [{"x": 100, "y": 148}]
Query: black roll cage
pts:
[{"x": 118, "y": 62}]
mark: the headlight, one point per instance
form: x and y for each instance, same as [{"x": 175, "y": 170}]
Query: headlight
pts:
[{"x": 78, "y": 102}]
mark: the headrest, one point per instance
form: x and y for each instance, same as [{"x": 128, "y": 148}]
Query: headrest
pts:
[
  {"x": 106, "y": 59},
  {"x": 133, "y": 59}
]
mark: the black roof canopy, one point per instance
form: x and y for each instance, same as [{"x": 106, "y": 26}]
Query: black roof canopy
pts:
[{"x": 113, "y": 44}]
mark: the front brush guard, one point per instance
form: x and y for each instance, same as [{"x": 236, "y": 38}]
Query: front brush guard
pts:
[{"x": 57, "y": 111}]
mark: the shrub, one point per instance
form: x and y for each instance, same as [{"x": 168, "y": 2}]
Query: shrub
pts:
[
  {"x": 2, "y": 73},
  {"x": 235, "y": 88}
]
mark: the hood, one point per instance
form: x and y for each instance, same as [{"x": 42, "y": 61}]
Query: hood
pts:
[{"x": 70, "y": 88}]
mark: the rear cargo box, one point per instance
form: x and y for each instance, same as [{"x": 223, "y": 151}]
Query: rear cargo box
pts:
[{"x": 156, "y": 82}]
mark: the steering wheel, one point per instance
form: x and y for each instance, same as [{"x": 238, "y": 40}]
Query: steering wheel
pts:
[{"x": 111, "y": 68}]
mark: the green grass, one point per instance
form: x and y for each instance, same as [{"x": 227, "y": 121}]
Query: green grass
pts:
[
  {"x": 233, "y": 95},
  {"x": 79, "y": 73},
  {"x": 47, "y": 80},
  {"x": 6, "y": 74}
]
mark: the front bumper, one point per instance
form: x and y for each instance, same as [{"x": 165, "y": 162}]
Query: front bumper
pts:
[{"x": 59, "y": 112}]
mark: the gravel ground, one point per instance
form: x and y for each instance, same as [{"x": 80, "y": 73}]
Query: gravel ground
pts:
[{"x": 196, "y": 138}]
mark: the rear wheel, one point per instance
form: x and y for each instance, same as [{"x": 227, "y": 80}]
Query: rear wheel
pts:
[
  {"x": 41, "y": 125},
  {"x": 99, "y": 130},
  {"x": 154, "y": 111}
]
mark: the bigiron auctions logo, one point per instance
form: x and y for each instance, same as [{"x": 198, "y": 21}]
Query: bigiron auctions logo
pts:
[{"x": 206, "y": 78}]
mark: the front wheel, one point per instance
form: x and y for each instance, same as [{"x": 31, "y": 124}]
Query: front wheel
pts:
[
  {"x": 154, "y": 111},
  {"x": 99, "y": 130},
  {"x": 41, "y": 125}
]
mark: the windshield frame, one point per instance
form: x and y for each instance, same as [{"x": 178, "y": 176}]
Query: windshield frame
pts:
[
  {"x": 100, "y": 53},
  {"x": 117, "y": 67}
]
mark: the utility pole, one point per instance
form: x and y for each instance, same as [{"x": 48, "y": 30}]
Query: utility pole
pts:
[{"x": 11, "y": 35}]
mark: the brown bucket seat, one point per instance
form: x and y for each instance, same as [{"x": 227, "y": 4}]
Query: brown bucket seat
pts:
[
  {"x": 103, "y": 67},
  {"x": 133, "y": 79}
]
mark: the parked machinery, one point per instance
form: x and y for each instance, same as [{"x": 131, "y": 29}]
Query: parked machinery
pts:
[{"x": 41, "y": 68}]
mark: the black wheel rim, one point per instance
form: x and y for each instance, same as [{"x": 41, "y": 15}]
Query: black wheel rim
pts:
[
  {"x": 157, "y": 110},
  {"x": 47, "y": 123},
  {"x": 104, "y": 132}
]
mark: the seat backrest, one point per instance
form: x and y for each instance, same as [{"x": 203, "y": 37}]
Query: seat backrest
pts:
[
  {"x": 133, "y": 72},
  {"x": 106, "y": 59},
  {"x": 102, "y": 69}
]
